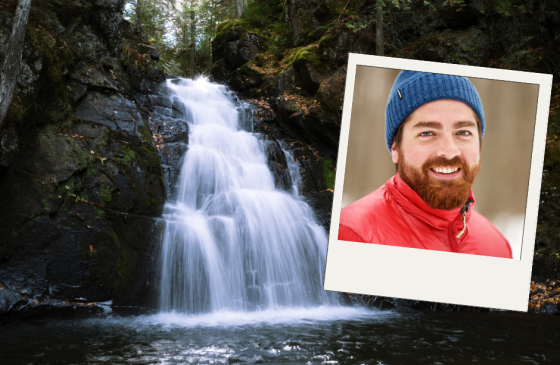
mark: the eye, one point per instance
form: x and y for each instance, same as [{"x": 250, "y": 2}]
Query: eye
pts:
[
  {"x": 426, "y": 134},
  {"x": 464, "y": 133}
]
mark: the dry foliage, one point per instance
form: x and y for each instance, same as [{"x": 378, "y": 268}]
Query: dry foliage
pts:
[{"x": 544, "y": 293}]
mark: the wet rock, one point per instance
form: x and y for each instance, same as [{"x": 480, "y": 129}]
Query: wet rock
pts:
[
  {"x": 10, "y": 301},
  {"x": 9, "y": 146},
  {"x": 173, "y": 134},
  {"x": 163, "y": 111},
  {"x": 306, "y": 18},
  {"x": 241, "y": 47},
  {"x": 321, "y": 203},
  {"x": 172, "y": 155},
  {"x": 317, "y": 171},
  {"x": 162, "y": 101},
  {"x": 140, "y": 59},
  {"x": 111, "y": 110},
  {"x": 220, "y": 69},
  {"x": 90, "y": 76},
  {"x": 286, "y": 82},
  {"x": 245, "y": 79},
  {"x": 179, "y": 111},
  {"x": 82, "y": 178},
  {"x": 276, "y": 162},
  {"x": 406, "y": 305},
  {"x": 324, "y": 126},
  {"x": 76, "y": 90},
  {"x": 331, "y": 90},
  {"x": 309, "y": 77},
  {"x": 108, "y": 14},
  {"x": 470, "y": 46},
  {"x": 94, "y": 48}
]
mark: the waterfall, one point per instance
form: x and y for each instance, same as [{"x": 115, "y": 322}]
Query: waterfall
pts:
[{"x": 232, "y": 241}]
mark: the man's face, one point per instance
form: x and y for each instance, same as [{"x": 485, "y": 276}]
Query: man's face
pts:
[{"x": 439, "y": 153}]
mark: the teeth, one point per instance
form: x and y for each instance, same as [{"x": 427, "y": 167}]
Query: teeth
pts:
[{"x": 446, "y": 170}]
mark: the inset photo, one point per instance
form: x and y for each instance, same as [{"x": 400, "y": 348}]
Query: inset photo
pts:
[{"x": 434, "y": 169}]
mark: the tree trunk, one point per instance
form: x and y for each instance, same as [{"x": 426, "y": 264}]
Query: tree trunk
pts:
[
  {"x": 379, "y": 29},
  {"x": 193, "y": 39},
  {"x": 240, "y": 7},
  {"x": 139, "y": 13},
  {"x": 11, "y": 68}
]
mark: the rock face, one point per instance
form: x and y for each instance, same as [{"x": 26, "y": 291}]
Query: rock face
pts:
[{"x": 81, "y": 182}]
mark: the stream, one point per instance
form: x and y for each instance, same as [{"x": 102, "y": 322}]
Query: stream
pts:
[{"x": 294, "y": 336}]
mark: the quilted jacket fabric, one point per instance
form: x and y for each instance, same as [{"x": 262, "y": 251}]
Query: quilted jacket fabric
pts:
[{"x": 395, "y": 215}]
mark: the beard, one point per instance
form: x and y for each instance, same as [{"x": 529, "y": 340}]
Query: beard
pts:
[{"x": 438, "y": 193}]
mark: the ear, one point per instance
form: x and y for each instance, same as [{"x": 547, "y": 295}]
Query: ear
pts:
[{"x": 395, "y": 152}]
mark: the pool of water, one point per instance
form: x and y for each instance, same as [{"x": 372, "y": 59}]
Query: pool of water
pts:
[{"x": 323, "y": 335}]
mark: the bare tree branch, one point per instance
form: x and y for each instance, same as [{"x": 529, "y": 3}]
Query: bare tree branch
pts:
[
  {"x": 12, "y": 62},
  {"x": 379, "y": 29}
]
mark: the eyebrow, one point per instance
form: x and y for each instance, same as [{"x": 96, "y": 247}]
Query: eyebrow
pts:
[{"x": 437, "y": 125}]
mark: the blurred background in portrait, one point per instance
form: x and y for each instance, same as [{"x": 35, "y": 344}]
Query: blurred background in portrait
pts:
[{"x": 501, "y": 187}]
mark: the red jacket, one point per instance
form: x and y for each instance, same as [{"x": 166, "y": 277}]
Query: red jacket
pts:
[{"x": 395, "y": 215}]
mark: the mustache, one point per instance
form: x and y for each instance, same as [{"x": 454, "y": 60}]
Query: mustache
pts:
[{"x": 441, "y": 161}]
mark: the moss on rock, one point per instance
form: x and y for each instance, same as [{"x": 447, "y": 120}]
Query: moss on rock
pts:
[{"x": 328, "y": 174}]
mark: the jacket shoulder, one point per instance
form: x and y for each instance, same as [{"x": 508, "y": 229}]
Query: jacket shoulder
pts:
[
  {"x": 360, "y": 218},
  {"x": 489, "y": 241}
]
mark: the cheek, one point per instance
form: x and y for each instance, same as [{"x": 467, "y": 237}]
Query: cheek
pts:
[
  {"x": 417, "y": 155},
  {"x": 472, "y": 155}
]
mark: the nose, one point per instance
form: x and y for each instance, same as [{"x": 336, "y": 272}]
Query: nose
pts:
[{"x": 448, "y": 148}]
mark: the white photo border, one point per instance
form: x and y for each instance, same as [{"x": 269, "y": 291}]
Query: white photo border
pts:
[{"x": 436, "y": 276}]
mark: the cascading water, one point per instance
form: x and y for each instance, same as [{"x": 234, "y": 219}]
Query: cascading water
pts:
[{"x": 233, "y": 242}]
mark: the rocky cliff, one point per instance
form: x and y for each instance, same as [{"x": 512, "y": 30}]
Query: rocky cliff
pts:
[{"x": 81, "y": 183}]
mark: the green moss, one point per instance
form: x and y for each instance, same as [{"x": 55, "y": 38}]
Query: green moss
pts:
[
  {"x": 82, "y": 195},
  {"x": 329, "y": 173},
  {"x": 336, "y": 7},
  {"x": 92, "y": 171},
  {"x": 58, "y": 58},
  {"x": 219, "y": 41},
  {"x": 291, "y": 107},
  {"x": 102, "y": 140},
  {"x": 128, "y": 156},
  {"x": 106, "y": 194},
  {"x": 47, "y": 137},
  {"x": 310, "y": 54},
  {"x": 327, "y": 42},
  {"x": 99, "y": 213}
]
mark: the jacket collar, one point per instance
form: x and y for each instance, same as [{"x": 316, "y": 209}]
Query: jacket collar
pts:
[{"x": 412, "y": 204}]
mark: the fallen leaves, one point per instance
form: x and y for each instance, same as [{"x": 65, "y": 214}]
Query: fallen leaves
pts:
[{"x": 543, "y": 294}]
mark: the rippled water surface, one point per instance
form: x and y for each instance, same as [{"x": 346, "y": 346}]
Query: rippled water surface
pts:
[{"x": 325, "y": 335}]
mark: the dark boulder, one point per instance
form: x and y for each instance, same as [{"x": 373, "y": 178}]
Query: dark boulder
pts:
[
  {"x": 243, "y": 50},
  {"x": 246, "y": 79},
  {"x": 309, "y": 76},
  {"x": 9, "y": 147},
  {"x": 220, "y": 69},
  {"x": 276, "y": 162},
  {"x": 331, "y": 90},
  {"x": 108, "y": 14}
]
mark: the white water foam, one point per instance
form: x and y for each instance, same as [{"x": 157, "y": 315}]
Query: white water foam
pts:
[
  {"x": 233, "y": 243},
  {"x": 269, "y": 317}
]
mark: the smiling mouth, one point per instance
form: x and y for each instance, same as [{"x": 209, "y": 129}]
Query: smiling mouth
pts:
[{"x": 445, "y": 170}]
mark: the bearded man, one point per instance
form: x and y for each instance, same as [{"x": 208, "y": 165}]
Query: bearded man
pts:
[{"x": 434, "y": 126}]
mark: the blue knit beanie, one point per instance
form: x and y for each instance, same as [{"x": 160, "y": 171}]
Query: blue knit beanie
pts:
[{"x": 413, "y": 89}]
